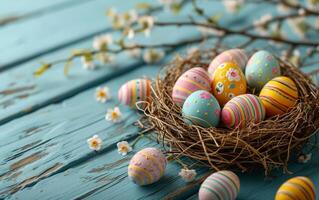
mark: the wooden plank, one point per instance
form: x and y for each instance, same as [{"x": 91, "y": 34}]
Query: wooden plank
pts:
[{"x": 12, "y": 11}]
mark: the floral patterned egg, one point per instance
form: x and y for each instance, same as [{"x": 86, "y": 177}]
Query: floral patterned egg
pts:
[
  {"x": 201, "y": 108},
  {"x": 261, "y": 68},
  {"x": 147, "y": 166},
  {"x": 228, "y": 82},
  {"x": 222, "y": 185},
  {"x": 278, "y": 95},
  {"x": 192, "y": 80},
  {"x": 243, "y": 109},
  {"x": 297, "y": 188},
  {"x": 134, "y": 91},
  {"x": 237, "y": 56}
]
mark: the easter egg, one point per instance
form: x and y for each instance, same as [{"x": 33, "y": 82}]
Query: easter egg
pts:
[
  {"x": 201, "y": 108},
  {"x": 222, "y": 185},
  {"x": 237, "y": 56},
  {"x": 147, "y": 166},
  {"x": 134, "y": 91},
  {"x": 261, "y": 68},
  {"x": 228, "y": 81},
  {"x": 243, "y": 109},
  {"x": 297, "y": 188},
  {"x": 190, "y": 81},
  {"x": 278, "y": 95}
]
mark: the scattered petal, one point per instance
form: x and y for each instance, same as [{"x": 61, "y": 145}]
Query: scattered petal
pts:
[
  {"x": 188, "y": 175},
  {"x": 102, "y": 94},
  {"x": 114, "y": 115},
  {"x": 123, "y": 147},
  {"x": 95, "y": 143}
]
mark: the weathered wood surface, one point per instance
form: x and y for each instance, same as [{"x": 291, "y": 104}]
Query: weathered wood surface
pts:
[{"x": 44, "y": 154}]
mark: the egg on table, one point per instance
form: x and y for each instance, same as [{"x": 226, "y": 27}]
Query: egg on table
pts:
[
  {"x": 278, "y": 95},
  {"x": 297, "y": 188},
  {"x": 201, "y": 108},
  {"x": 237, "y": 56},
  {"x": 134, "y": 91},
  {"x": 190, "y": 81},
  {"x": 147, "y": 166},
  {"x": 228, "y": 81},
  {"x": 243, "y": 109},
  {"x": 261, "y": 68},
  {"x": 222, "y": 185}
]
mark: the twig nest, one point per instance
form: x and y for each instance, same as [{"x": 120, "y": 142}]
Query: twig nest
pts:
[
  {"x": 248, "y": 141},
  {"x": 279, "y": 95},
  {"x": 147, "y": 166},
  {"x": 222, "y": 185},
  {"x": 299, "y": 188}
]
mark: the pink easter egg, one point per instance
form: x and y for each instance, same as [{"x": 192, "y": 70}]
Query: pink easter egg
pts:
[
  {"x": 147, "y": 166},
  {"x": 237, "y": 56},
  {"x": 190, "y": 81},
  {"x": 134, "y": 91}
]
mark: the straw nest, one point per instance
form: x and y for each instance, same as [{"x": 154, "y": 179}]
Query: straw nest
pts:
[{"x": 268, "y": 144}]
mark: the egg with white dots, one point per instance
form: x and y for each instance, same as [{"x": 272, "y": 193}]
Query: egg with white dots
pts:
[
  {"x": 221, "y": 185},
  {"x": 147, "y": 166},
  {"x": 261, "y": 68},
  {"x": 201, "y": 108}
]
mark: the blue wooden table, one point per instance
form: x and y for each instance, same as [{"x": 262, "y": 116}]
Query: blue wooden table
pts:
[{"x": 46, "y": 121}]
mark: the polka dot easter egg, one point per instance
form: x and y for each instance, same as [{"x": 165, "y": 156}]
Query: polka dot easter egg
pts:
[
  {"x": 134, "y": 91},
  {"x": 298, "y": 188},
  {"x": 192, "y": 80},
  {"x": 278, "y": 95},
  {"x": 237, "y": 56},
  {"x": 243, "y": 109},
  {"x": 201, "y": 108},
  {"x": 261, "y": 68},
  {"x": 147, "y": 166},
  {"x": 228, "y": 82},
  {"x": 222, "y": 185}
]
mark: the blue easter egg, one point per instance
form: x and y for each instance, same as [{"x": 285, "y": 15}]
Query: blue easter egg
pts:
[
  {"x": 201, "y": 108},
  {"x": 261, "y": 68}
]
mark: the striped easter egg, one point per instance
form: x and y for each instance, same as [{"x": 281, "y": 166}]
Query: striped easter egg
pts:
[
  {"x": 147, "y": 166},
  {"x": 278, "y": 95},
  {"x": 190, "y": 81},
  {"x": 237, "y": 56},
  {"x": 134, "y": 91},
  {"x": 243, "y": 109},
  {"x": 222, "y": 185},
  {"x": 297, "y": 188}
]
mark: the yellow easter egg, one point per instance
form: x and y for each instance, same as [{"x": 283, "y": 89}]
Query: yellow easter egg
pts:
[
  {"x": 297, "y": 188},
  {"x": 278, "y": 95},
  {"x": 228, "y": 81}
]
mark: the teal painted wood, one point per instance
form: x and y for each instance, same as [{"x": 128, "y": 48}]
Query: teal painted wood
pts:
[{"x": 22, "y": 10}]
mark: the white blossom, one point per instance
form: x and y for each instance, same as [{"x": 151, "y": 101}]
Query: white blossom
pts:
[
  {"x": 114, "y": 115},
  {"x": 102, "y": 94},
  {"x": 153, "y": 55},
  {"x": 261, "y": 24},
  {"x": 205, "y": 31},
  {"x": 102, "y": 42},
  {"x": 298, "y": 25},
  {"x": 95, "y": 143},
  {"x": 123, "y": 147},
  {"x": 188, "y": 175},
  {"x": 304, "y": 158},
  {"x": 87, "y": 63},
  {"x": 233, "y": 5},
  {"x": 147, "y": 23}
]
